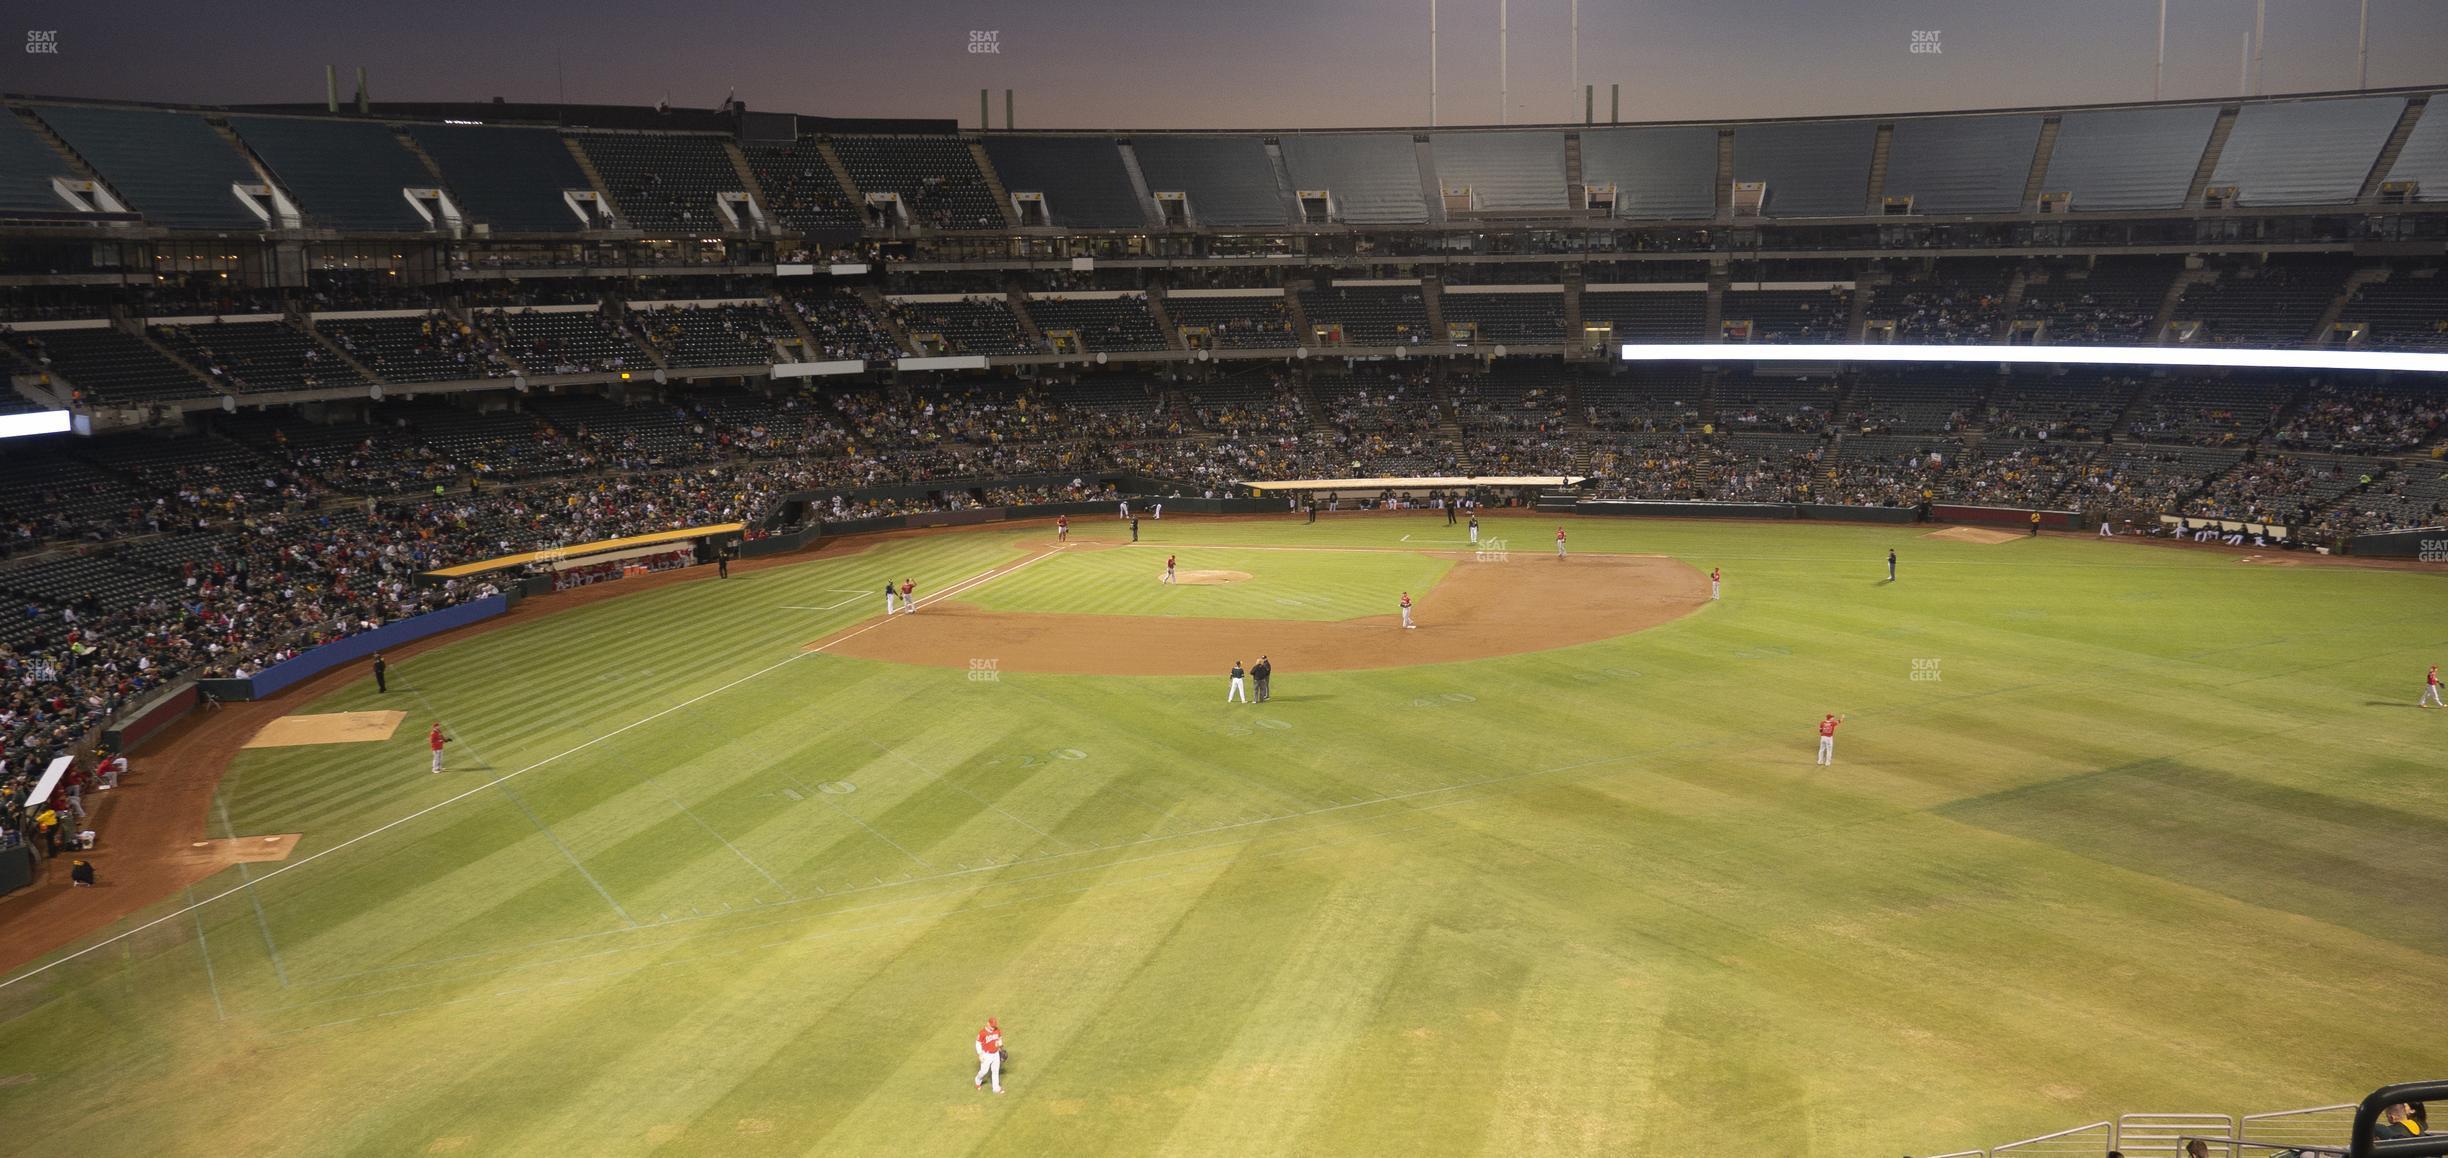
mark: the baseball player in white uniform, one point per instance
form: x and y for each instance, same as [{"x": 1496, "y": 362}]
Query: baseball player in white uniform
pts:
[
  {"x": 1474, "y": 526},
  {"x": 891, "y": 596},
  {"x": 1237, "y": 691}
]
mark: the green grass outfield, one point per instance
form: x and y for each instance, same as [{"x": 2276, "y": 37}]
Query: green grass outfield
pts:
[{"x": 2165, "y": 832}]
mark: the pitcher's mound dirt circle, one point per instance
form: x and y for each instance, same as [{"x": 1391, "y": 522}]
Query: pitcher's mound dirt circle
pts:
[
  {"x": 1478, "y": 610},
  {"x": 1210, "y": 578}
]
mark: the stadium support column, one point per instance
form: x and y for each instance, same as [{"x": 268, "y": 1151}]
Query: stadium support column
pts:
[
  {"x": 983, "y": 123},
  {"x": 365, "y": 99},
  {"x": 331, "y": 88},
  {"x": 1589, "y": 104},
  {"x": 1615, "y": 103},
  {"x": 1007, "y": 110}
]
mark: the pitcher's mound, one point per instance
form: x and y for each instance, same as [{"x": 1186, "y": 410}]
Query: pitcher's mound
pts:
[
  {"x": 1210, "y": 578},
  {"x": 335, "y": 728},
  {"x": 1974, "y": 535}
]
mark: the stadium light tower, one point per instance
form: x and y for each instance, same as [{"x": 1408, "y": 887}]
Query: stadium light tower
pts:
[
  {"x": 1504, "y": 57},
  {"x": 1576, "y": 53},
  {"x": 2159, "y": 65},
  {"x": 2260, "y": 14},
  {"x": 1432, "y": 47},
  {"x": 2362, "y": 47}
]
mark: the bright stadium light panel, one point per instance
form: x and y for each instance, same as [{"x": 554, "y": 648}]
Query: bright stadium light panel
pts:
[
  {"x": 28, "y": 425},
  {"x": 2047, "y": 355}
]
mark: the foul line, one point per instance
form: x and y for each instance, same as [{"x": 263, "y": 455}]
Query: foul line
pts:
[{"x": 986, "y": 576}]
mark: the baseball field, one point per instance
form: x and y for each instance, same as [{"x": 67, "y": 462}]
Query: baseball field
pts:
[{"x": 740, "y": 867}]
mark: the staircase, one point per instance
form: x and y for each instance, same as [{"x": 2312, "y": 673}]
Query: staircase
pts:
[
  {"x": 2370, "y": 193},
  {"x": 994, "y": 184},
  {"x": 595, "y": 181},
  {"x": 1712, "y": 327},
  {"x": 1283, "y": 184},
  {"x": 409, "y": 143},
  {"x": 2040, "y": 164},
  {"x": 1164, "y": 319},
  {"x": 2210, "y": 157},
  {"x": 892, "y": 324},
  {"x": 76, "y": 164},
  {"x": 1432, "y": 302},
  {"x": 1431, "y": 189},
  {"x": 841, "y": 172},
  {"x": 1878, "y": 170},
  {"x": 1572, "y": 169},
  {"x": 2015, "y": 287},
  {"x": 334, "y": 349},
  {"x": 1575, "y": 343},
  {"x": 1302, "y": 335},
  {"x": 136, "y": 327},
  {"x": 2175, "y": 293},
  {"x": 1725, "y": 189},
  {"x": 1020, "y": 312},
  {"x": 1139, "y": 185},
  {"x": 810, "y": 350},
  {"x": 2337, "y": 306},
  {"x": 748, "y": 181},
  {"x": 1864, "y": 289}
]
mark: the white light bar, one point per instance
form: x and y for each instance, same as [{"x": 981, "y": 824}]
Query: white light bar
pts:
[
  {"x": 28, "y": 425},
  {"x": 2046, "y": 355}
]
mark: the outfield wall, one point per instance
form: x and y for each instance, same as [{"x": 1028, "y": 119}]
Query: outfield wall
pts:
[
  {"x": 2009, "y": 516},
  {"x": 314, "y": 662},
  {"x": 2430, "y": 545},
  {"x": 1830, "y": 511}
]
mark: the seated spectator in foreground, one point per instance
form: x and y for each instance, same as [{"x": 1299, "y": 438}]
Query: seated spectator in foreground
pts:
[{"x": 81, "y": 874}]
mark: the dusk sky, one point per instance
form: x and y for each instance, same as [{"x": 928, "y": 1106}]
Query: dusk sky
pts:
[{"x": 1221, "y": 63}]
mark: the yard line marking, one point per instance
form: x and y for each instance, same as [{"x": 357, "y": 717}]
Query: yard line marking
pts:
[
  {"x": 657, "y": 781},
  {"x": 247, "y": 879},
  {"x": 946, "y": 777},
  {"x": 566, "y": 852},
  {"x": 633, "y": 725},
  {"x": 856, "y": 819},
  {"x": 210, "y": 978}
]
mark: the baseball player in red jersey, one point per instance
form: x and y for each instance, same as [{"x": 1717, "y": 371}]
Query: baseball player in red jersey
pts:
[
  {"x": 1406, "y": 610},
  {"x": 2431, "y": 690},
  {"x": 1062, "y": 528},
  {"x": 435, "y": 739},
  {"x": 909, "y": 604},
  {"x": 1716, "y": 576},
  {"x": 1827, "y": 738},
  {"x": 990, "y": 1056},
  {"x": 1559, "y": 542},
  {"x": 1168, "y": 576}
]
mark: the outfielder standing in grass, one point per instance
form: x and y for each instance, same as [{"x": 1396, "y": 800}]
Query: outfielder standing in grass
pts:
[
  {"x": 435, "y": 739},
  {"x": 2431, "y": 690},
  {"x": 1716, "y": 576},
  {"x": 1827, "y": 738},
  {"x": 1237, "y": 691},
  {"x": 990, "y": 1056},
  {"x": 1891, "y": 564}
]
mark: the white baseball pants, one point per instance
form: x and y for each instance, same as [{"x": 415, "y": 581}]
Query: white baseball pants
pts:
[
  {"x": 1827, "y": 749},
  {"x": 1236, "y": 692},
  {"x": 990, "y": 1065}
]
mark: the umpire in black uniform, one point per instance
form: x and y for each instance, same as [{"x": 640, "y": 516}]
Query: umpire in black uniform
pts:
[
  {"x": 1264, "y": 671},
  {"x": 379, "y": 668}
]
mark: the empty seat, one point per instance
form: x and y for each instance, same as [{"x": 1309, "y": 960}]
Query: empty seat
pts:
[
  {"x": 170, "y": 167},
  {"x": 343, "y": 174}
]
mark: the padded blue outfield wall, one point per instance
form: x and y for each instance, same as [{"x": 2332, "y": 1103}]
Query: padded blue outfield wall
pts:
[{"x": 273, "y": 680}]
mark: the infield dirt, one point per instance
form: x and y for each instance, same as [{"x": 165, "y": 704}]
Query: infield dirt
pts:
[{"x": 1478, "y": 610}]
